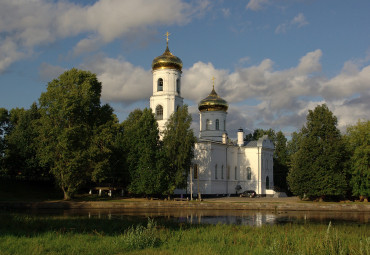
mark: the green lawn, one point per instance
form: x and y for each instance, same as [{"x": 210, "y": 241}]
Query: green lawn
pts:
[{"x": 22, "y": 234}]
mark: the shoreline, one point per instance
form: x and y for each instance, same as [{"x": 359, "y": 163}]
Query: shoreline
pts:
[{"x": 276, "y": 205}]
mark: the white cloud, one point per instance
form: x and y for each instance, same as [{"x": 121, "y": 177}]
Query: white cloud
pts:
[
  {"x": 26, "y": 24},
  {"x": 256, "y": 5},
  {"x": 262, "y": 97},
  {"x": 349, "y": 82},
  {"x": 297, "y": 21},
  {"x": 122, "y": 81}
]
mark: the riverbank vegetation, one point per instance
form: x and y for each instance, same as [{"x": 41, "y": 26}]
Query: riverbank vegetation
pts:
[{"x": 21, "y": 234}]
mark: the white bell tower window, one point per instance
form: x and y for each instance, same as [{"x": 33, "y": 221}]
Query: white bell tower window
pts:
[
  {"x": 159, "y": 112},
  {"x": 160, "y": 84}
]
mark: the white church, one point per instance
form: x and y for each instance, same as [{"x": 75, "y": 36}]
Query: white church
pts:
[{"x": 220, "y": 166}]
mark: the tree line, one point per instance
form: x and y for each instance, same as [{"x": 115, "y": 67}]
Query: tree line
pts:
[
  {"x": 73, "y": 140},
  {"x": 319, "y": 162}
]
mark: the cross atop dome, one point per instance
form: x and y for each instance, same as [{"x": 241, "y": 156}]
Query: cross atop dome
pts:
[{"x": 167, "y": 34}]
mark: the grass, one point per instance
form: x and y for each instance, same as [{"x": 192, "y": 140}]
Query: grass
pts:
[{"x": 23, "y": 234}]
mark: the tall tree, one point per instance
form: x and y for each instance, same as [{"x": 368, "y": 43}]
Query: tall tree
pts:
[
  {"x": 280, "y": 162},
  {"x": 75, "y": 130},
  {"x": 21, "y": 141},
  {"x": 317, "y": 167},
  {"x": 178, "y": 149},
  {"x": 358, "y": 141},
  {"x": 141, "y": 139}
]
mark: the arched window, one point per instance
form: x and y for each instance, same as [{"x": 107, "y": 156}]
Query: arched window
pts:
[
  {"x": 216, "y": 171},
  {"x": 159, "y": 112},
  {"x": 222, "y": 172},
  {"x": 267, "y": 182},
  {"x": 249, "y": 173},
  {"x": 236, "y": 176},
  {"x": 217, "y": 124},
  {"x": 208, "y": 124},
  {"x": 178, "y": 86},
  {"x": 160, "y": 84}
]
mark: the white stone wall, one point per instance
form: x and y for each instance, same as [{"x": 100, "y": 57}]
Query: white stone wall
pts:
[
  {"x": 212, "y": 133},
  {"x": 209, "y": 154}
]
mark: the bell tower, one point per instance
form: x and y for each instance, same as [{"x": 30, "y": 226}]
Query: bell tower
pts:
[
  {"x": 213, "y": 111},
  {"x": 166, "y": 97}
]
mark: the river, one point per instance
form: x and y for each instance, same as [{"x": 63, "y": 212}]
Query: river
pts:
[{"x": 237, "y": 217}]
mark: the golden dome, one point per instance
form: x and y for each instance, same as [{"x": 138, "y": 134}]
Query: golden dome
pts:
[
  {"x": 167, "y": 60},
  {"x": 213, "y": 103}
]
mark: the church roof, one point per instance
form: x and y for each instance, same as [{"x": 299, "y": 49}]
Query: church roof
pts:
[
  {"x": 213, "y": 102},
  {"x": 251, "y": 144},
  {"x": 167, "y": 60}
]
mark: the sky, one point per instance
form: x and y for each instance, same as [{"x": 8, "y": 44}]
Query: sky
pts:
[{"x": 273, "y": 60}]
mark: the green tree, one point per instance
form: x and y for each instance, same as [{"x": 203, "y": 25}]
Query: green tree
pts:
[
  {"x": 141, "y": 139},
  {"x": 178, "y": 149},
  {"x": 118, "y": 175},
  {"x": 358, "y": 141},
  {"x": 280, "y": 162},
  {"x": 4, "y": 121},
  {"x": 21, "y": 145},
  {"x": 293, "y": 144},
  {"x": 75, "y": 131},
  {"x": 259, "y": 132},
  {"x": 317, "y": 167}
]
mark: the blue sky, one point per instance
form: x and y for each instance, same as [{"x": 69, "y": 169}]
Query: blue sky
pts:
[{"x": 273, "y": 60}]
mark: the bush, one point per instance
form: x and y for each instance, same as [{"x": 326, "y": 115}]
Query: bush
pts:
[{"x": 142, "y": 237}]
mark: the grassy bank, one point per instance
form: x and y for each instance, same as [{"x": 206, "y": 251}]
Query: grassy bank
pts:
[{"x": 21, "y": 234}]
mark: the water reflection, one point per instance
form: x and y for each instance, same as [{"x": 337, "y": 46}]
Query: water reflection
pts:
[{"x": 237, "y": 217}]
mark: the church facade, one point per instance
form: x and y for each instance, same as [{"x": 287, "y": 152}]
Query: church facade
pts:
[{"x": 220, "y": 166}]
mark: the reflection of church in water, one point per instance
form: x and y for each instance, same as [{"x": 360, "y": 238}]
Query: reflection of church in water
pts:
[{"x": 219, "y": 166}]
